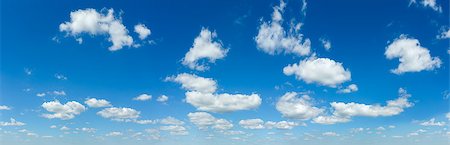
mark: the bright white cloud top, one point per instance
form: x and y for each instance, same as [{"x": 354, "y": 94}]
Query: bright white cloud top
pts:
[
  {"x": 142, "y": 30},
  {"x": 143, "y": 97},
  {"x": 205, "y": 120},
  {"x": 63, "y": 111},
  {"x": 292, "y": 106},
  {"x": 116, "y": 113},
  {"x": 97, "y": 103},
  {"x": 412, "y": 56},
  {"x": 205, "y": 47}
]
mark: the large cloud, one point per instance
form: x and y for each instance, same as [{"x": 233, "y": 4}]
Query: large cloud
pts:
[
  {"x": 272, "y": 38},
  {"x": 292, "y": 106},
  {"x": 204, "y": 47},
  {"x": 412, "y": 56},
  {"x": 342, "y": 112},
  {"x": 97, "y": 23},
  {"x": 205, "y": 120},
  {"x": 323, "y": 71},
  {"x": 201, "y": 94},
  {"x": 62, "y": 111}
]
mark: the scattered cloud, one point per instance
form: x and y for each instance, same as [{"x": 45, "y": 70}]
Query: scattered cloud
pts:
[
  {"x": 115, "y": 113},
  {"x": 193, "y": 82},
  {"x": 205, "y": 120},
  {"x": 62, "y": 111},
  {"x": 350, "y": 88},
  {"x": 205, "y": 47},
  {"x": 325, "y": 43},
  {"x": 428, "y": 3},
  {"x": 290, "y": 105},
  {"x": 252, "y": 124},
  {"x": 330, "y": 134},
  {"x": 162, "y": 98},
  {"x": 60, "y": 77},
  {"x": 143, "y": 97},
  {"x": 445, "y": 34},
  {"x": 142, "y": 30},
  {"x": 4, "y": 107},
  {"x": 114, "y": 133},
  {"x": 175, "y": 129},
  {"x": 432, "y": 122},
  {"x": 281, "y": 124},
  {"x": 171, "y": 121},
  {"x": 12, "y": 122},
  {"x": 322, "y": 71},
  {"x": 97, "y": 103},
  {"x": 412, "y": 56},
  {"x": 273, "y": 39}
]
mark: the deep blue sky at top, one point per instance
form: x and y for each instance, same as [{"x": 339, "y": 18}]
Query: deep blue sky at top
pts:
[{"x": 359, "y": 32}]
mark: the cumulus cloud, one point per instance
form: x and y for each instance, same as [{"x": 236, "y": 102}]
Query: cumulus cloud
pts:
[
  {"x": 175, "y": 129},
  {"x": 62, "y": 111},
  {"x": 342, "y": 112},
  {"x": 252, "y": 124},
  {"x": 428, "y": 3},
  {"x": 97, "y": 103},
  {"x": 171, "y": 121},
  {"x": 115, "y": 113},
  {"x": 273, "y": 39},
  {"x": 142, "y": 30},
  {"x": 92, "y": 22},
  {"x": 143, "y": 97},
  {"x": 290, "y": 105},
  {"x": 4, "y": 107},
  {"x": 281, "y": 124},
  {"x": 12, "y": 122},
  {"x": 205, "y": 120},
  {"x": 325, "y": 43},
  {"x": 259, "y": 124},
  {"x": 432, "y": 122},
  {"x": 60, "y": 77},
  {"x": 350, "y": 88},
  {"x": 445, "y": 34},
  {"x": 205, "y": 47},
  {"x": 193, "y": 82},
  {"x": 322, "y": 71},
  {"x": 162, "y": 98},
  {"x": 412, "y": 56},
  {"x": 201, "y": 94}
]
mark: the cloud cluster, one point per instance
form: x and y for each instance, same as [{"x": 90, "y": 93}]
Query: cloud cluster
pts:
[
  {"x": 205, "y": 120},
  {"x": 290, "y": 105},
  {"x": 322, "y": 71},
  {"x": 204, "y": 47},
  {"x": 12, "y": 122},
  {"x": 62, "y": 111},
  {"x": 350, "y": 88},
  {"x": 273, "y": 39},
  {"x": 428, "y": 3},
  {"x": 432, "y": 122},
  {"x": 201, "y": 94},
  {"x": 116, "y": 113},
  {"x": 175, "y": 129},
  {"x": 412, "y": 56}
]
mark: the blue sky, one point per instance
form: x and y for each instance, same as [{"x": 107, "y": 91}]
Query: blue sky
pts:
[{"x": 224, "y": 72}]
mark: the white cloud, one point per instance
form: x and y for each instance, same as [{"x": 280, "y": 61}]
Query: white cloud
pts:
[
  {"x": 350, "y": 88},
  {"x": 202, "y": 95},
  {"x": 204, "y": 47},
  {"x": 205, "y": 120},
  {"x": 88, "y": 130},
  {"x": 171, "y": 121},
  {"x": 281, "y": 125},
  {"x": 330, "y": 134},
  {"x": 4, "y": 107},
  {"x": 322, "y": 71},
  {"x": 28, "y": 71},
  {"x": 64, "y": 128},
  {"x": 445, "y": 34},
  {"x": 342, "y": 112},
  {"x": 428, "y": 3},
  {"x": 12, "y": 122},
  {"x": 97, "y": 23},
  {"x": 142, "y": 30},
  {"x": 325, "y": 43},
  {"x": 222, "y": 102},
  {"x": 40, "y": 94},
  {"x": 162, "y": 98},
  {"x": 252, "y": 124},
  {"x": 138, "y": 121},
  {"x": 114, "y": 133},
  {"x": 273, "y": 39},
  {"x": 432, "y": 122},
  {"x": 53, "y": 126},
  {"x": 143, "y": 97},
  {"x": 97, "y": 103},
  {"x": 292, "y": 106},
  {"x": 175, "y": 129},
  {"x": 447, "y": 115},
  {"x": 62, "y": 111},
  {"x": 60, "y": 77},
  {"x": 412, "y": 56},
  {"x": 58, "y": 93},
  {"x": 115, "y": 113},
  {"x": 193, "y": 82}
]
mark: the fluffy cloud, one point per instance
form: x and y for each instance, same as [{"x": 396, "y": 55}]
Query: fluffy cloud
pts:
[
  {"x": 350, "y": 88},
  {"x": 171, "y": 121},
  {"x": 412, "y": 56},
  {"x": 142, "y": 30},
  {"x": 323, "y": 71},
  {"x": 97, "y": 103},
  {"x": 292, "y": 106},
  {"x": 432, "y": 122},
  {"x": 143, "y": 97},
  {"x": 162, "y": 98},
  {"x": 62, "y": 111},
  {"x": 325, "y": 43},
  {"x": 204, "y": 47},
  {"x": 281, "y": 125},
  {"x": 193, "y": 82},
  {"x": 4, "y": 107},
  {"x": 12, "y": 122},
  {"x": 330, "y": 134},
  {"x": 273, "y": 39},
  {"x": 205, "y": 120},
  {"x": 222, "y": 102},
  {"x": 344, "y": 111},
  {"x": 175, "y": 129},
  {"x": 202, "y": 95},
  {"x": 428, "y": 3},
  {"x": 445, "y": 34},
  {"x": 252, "y": 123},
  {"x": 115, "y": 113},
  {"x": 97, "y": 23},
  {"x": 114, "y": 133}
]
